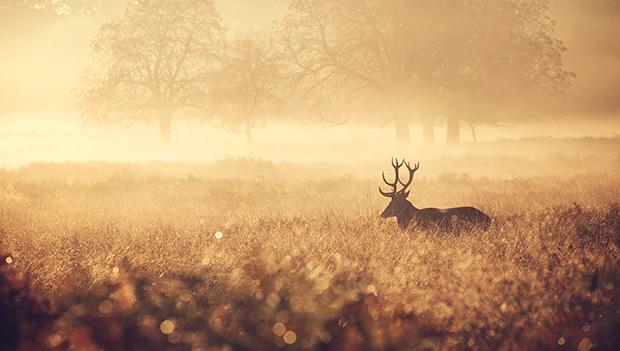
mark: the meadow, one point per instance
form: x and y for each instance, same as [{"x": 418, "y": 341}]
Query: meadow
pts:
[{"x": 264, "y": 256}]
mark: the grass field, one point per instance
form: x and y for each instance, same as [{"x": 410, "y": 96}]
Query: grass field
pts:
[{"x": 133, "y": 260}]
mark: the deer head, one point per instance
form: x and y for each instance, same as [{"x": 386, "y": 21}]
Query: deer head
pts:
[{"x": 398, "y": 198}]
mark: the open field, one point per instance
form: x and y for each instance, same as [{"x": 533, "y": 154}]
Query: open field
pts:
[
  {"x": 212, "y": 175},
  {"x": 129, "y": 258}
]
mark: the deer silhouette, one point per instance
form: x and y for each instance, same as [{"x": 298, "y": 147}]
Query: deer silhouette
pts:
[{"x": 408, "y": 215}]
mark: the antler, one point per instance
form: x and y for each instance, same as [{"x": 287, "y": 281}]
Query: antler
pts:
[
  {"x": 394, "y": 185},
  {"x": 411, "y": 173}
]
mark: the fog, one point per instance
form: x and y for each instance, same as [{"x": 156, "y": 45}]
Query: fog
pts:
[
  {"x": 309, "y": 174},
  {"x": 46, "y": 55}
]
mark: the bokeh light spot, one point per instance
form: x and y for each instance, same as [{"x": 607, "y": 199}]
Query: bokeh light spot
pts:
[
  {"x": 326, "y": 337},
  {"x": 290, "y": 337},
  {"x": 279, "y": 329},
  {"x": 106, "y": 307},
  {"x": 167, "y": 326},
  {"x": 585, "y": 345}
]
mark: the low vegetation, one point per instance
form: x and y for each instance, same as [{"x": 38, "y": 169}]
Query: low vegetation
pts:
[{"x": 189, "y": 262}]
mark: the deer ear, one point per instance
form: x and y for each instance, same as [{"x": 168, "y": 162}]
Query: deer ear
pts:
[{"x": 406, "y": 194}]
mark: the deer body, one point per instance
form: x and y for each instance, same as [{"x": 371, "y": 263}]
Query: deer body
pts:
[
  {"x": 443, "y": 219},
  {"x": 408, "y": 215}
]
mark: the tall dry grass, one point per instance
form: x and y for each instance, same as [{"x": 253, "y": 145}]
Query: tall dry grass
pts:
[{"x": 192, "y": 263}]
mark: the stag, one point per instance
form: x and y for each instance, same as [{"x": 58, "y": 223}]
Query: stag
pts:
[{"x": 408, "y": 215}]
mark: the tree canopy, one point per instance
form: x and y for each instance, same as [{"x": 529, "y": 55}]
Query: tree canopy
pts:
[
  {"x": 249, "y": 84},
  {"x": 156, "y": 60},
  {"x": 469, "y": 59},
  {"x": 383, "y": 61}
]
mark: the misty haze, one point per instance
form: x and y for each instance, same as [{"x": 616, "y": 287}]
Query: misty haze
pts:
[{"x": 309, "y": 175}]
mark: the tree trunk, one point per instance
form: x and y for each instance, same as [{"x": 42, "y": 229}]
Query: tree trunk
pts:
[
  {"x": 164, "y": 127},
  {"x": 473, "y": 132},
  {"x": 401, "y": 126},
  {"x": 454, "y": 128},
  {"x": 428, "y": 126}
]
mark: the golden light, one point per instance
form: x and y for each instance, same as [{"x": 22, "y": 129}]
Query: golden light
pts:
[
  {"x": 167, "y": 326},
  {"x": 279, "y": 329},
  {"x": 290, "y": 337}
]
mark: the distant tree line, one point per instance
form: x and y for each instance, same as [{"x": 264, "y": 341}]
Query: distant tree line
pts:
[
  {"x": 476, "y": 61},
  {"x": 463, "y": 62}
]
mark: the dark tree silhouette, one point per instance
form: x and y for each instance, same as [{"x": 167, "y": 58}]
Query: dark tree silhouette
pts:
[
  {"x": 248, "y": 87},
  {"x": 463, "y": 59},
  {"x": 503, "y": 64},
  {"x": 156, "y": 60},
  {"x": 364, "y": 47}
]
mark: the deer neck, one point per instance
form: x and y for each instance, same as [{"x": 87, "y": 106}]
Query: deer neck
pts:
[{"x": 406, "y": 214}]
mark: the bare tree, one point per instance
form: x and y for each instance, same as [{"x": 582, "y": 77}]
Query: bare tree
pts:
[
  {"x": 363, "y": 48},
  {"x": 503, "y": 66},
  {"x": 156, "y": 60},
  {"x": 248, "y": 88},
  {"x": 469, "y": 59}
]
